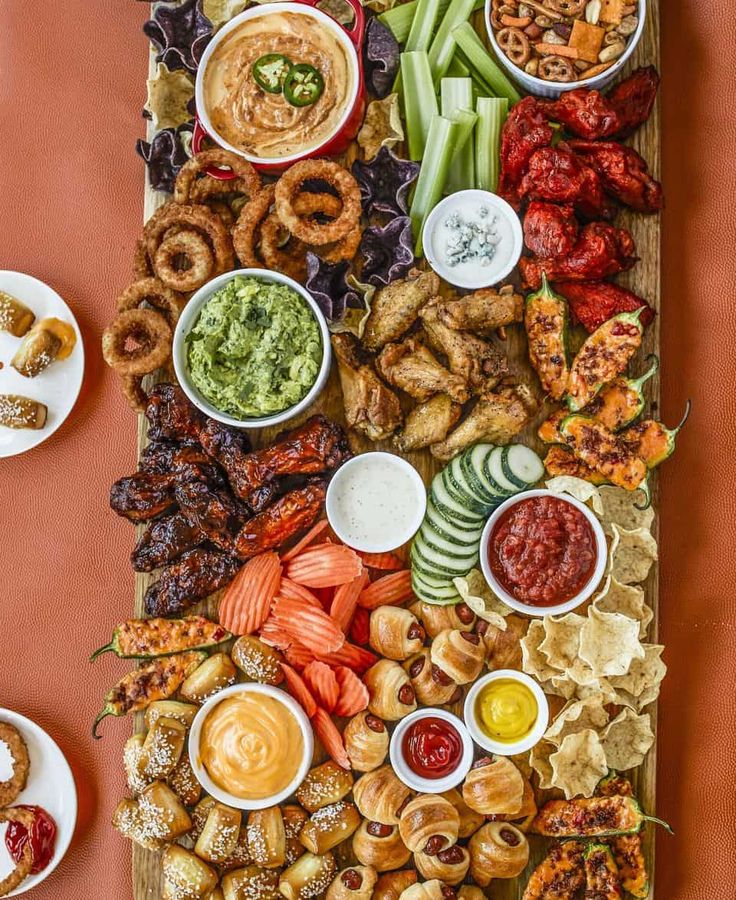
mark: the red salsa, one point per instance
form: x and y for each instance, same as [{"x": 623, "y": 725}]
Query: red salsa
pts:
[
  {"x": 542, "y": 551},
  {"x": 432, "y": 747},
  {"x": 43, "y": 838}
]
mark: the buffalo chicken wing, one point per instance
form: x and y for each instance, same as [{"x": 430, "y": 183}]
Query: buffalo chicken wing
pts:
[
  {"x": 623, "y": 172},
  {"x": 556, "y": 174},
  {"x": 550, "y": 230},
  {"x": 594, "y": 302},
  {"x": 526, "y": 129}
]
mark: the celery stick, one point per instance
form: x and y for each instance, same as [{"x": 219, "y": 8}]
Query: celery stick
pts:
[
  {"x": 420, "y": 100},
  {"x": 399, "y": 19},
  {"x": 441, "y": 144},
  {"x": 442, "y": 47},
  {"x": 457, "y": 68},
  {"x": 457, "y": 96},
  {"x": 482, "y": 63},
  {"x": 422, "y": 28},
  {"x": 492, "y": 112}
]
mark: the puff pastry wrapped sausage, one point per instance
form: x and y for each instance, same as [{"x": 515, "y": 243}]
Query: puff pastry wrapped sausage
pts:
[
  {"x": 380, "y": 795},
  {"x": 366, "y": 742},
  {"x": 429, "y": 890},
  {"x": 380, "y": 846},
  {"x": 497, "y": 850},
  {"x": 494, "y": 787},
  {"x": 460, "y": 654},
  {"x": 431, "y": 685},
  {"x": 353, "y": 883},
  {"x": 429, "y": 823},
  {"x": 439, "y": 618},
  {"x": 391, "y": 694},
  {"x": 470, "y": 820},
  {"x": 395, "y": 633},
  {"x": 391, "y": 885},
  {"x": 450, "y": 865}
]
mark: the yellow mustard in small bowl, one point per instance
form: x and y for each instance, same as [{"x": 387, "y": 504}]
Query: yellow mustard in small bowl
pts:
[{"x": 506, "y": 712}]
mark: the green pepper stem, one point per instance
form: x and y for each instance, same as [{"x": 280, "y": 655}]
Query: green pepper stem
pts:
[
  {"x": 646, "y": 490},
  {"x": 637, "y": 383},
  {"x": 108, "y": 648},
  {"x": 657, "y": 821},
  {"x": 103, "y": 715},
  {"x": 685, "y": 417}
]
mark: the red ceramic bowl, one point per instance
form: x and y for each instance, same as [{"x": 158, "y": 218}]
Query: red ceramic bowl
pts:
[{"x": 348, "y": 125}]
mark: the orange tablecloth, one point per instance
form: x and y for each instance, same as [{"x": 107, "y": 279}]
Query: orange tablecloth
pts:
[{"x": 72, "y": 84}]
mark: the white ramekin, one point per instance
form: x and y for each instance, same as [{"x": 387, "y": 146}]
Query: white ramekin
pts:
[
  {"x": 482, "y": 739},
  {"x": 267, "y": 9},
  {"x": 560, "y": 608},
  {"x": 186, "y": 322},
  {"x": 196, "y": 731},
  {"x": 407, "y": 775},
  {"x": 391, "y": 541},
  {"x": 552, "y": 89}
]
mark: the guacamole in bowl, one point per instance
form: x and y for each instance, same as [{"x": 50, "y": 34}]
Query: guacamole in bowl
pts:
[{"x": 255, "y": 348}]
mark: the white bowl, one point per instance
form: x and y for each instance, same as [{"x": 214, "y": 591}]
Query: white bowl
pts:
[
  {"x": 508, "y": 250},
  {"x": 196, "y": 731},
  {"x": 481, "y": 738},
  {"x": 408, "y": 776},
  {"x": 389, "y": 540},
  {"x": 189, "y": 317},
  {"x": 559, "y": 608},
  {"x": 268, "y": 9},
  {"x": 553, "y": 89}
]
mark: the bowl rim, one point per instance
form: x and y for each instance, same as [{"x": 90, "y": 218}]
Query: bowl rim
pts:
[
  {"x": 540, "y": 726},
  {"x": 361, "y": 459},
  {"x": 186, "y": 321},
  {"x": 430, "y": 785},
  {"x": 252, "y": 13},
  {"x": 195, "y": 735},
  {"x": 501, "y": 206},
  {"x": 559, "y": 608},
  {"x": 596, "y": 81}
]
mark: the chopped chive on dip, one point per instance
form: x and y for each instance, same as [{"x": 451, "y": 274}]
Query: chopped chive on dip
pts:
[{"x": 255, "y": 349}]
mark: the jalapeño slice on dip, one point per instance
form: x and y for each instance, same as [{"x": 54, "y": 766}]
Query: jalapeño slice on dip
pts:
[{"x": 542, "y": 551}]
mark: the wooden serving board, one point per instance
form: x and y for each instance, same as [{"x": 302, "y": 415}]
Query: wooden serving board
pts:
[{"x": 644, "y": 279}]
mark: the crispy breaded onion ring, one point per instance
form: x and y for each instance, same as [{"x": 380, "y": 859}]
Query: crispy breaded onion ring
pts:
[
  {"x": 137, "y": 342},
  {"x": 154, "y": 292},
  {"x": 134, "y": 393},
  {"x": 344, "y": 249},
  {"x": 308, "y": 230},
  {"x": 10, "y": 789},
  {"x": 207, "y": 188},
  {"x": 281, "y": 251},
  {"x": 184, "y": 261},
  {"x": 223, "y": 210},
  {"x": 197, "y": 217},
  {"x": 245, "y": 233},
  {"x": 23, "y": 868},
  {"x": 142, "y": 267},
  {"x": 185, "y": 180}
]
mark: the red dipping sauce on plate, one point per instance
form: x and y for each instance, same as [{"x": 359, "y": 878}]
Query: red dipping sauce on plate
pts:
[
  {"x": 42, "y": 837},
  {"x": 543, "y": 551},
  {"x": 432, "y": 747}
]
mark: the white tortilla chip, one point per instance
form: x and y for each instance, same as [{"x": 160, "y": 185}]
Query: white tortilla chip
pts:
[
  {"x": 539, "y": 761},
  {"x": 476, "y": 594},
  {"x": 643, "y": 677},
  {"x": 577, "y": 715},
  {"x": 609, "y": 642},
  {"x": 221, "y": 11},
  {"x": 381, "y": 126},
  {"x": 533, "y": 661},
  {"x": 579, "y": 764},
  {"x": 577, "y": 488},
  {"x": 626, "y": 599},
  {"x": 562, "y": 639},
  {"x": 169, "y": 94},
  {"x": 618, "y": 507},
  {"x": 631, "y": 554},
  {"x": 560, "y": 686},
  {"x": 626, "y": 740}
]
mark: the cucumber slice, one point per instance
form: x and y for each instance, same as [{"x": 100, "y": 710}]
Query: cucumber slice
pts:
[
  {"x": 473, "y": 479},
  {"x": 448, "y": 529},
  {"x": 431, "y": 581},
  {"x": 445, "y": 592},
  {"x": 430, "y": 597},
  {"x": 467, "y": 484},
  {"x": 521, "y": 465},
  {"x": 494, "y": 468},
  {"x": 451, "y": 508},
  {"x": 437, "y": 563},
  {"x": 477, "y": 462},
  {"x": 462, "y": 495},
  {"x": 451, "y": 547}
]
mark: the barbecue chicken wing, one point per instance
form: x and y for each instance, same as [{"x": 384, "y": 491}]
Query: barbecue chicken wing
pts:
[
  {"x": 294, "y": 512},
  {"x": 413, "y": 368},
  {"x": 623, "y": 172},
  {"x": 550, "y": 230},
  {"x": 215, "y": 514},
  {"x": 476, "y": 361},
  {"x": 371, "y": 407},
  {"x": 147, "y": 495},
  {"x": 482, "y": 312},
  {"x": 194, "y": 576},
  {"x": 525, "y": 130},
  {"x": 428, "y": 423},
  {"x": 395, "y": 308},
  {"x": 163, "y": 541},
  {"x": 497, "y": 418},
  {"x": 556, "y": 174}
]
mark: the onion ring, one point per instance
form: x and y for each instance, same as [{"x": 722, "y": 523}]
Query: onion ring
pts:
[
  {"x": 245, "y": 231},
  {"x": 345, "y": 249},
  {"x": 150, "y": 334},
  {"x": 134, "y": 393},
  {"x": 184, "y": 261},
  {"x": 208, "y": 187},
  {"x": 251, "y": 180},
  {"x": 197, "y": 217},
  {"x": 142, "y": 267},
  {"x": 22, "y": 870},
  {"x": 309, "y": 231},
  {"x": 223, "y": 210},
  {"x": 154, "y": 292},
  {"x": 291, "y": 261},
  {"x": 10, "y": 789}
]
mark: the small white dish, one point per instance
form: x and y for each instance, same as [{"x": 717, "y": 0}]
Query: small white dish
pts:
[
  {"x": 376, "y": 502},
  {"x": 50, "y": 785},
  {"x": 473, "y": 275},
  {"x": 59, "y": 385},
  {"x": 190, "y": 315},
  {"x": 407, "y": 775},
  {"x": 196, "y": 731},
  {"x": 559, "y": 608},
  {"x": 497, "y": 747}
]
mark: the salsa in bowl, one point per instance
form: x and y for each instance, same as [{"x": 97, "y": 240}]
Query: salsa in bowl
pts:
[{"x": 252, "y": 349}]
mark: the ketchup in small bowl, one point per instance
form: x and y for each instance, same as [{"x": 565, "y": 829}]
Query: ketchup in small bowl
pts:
[
  {"x": 42, "y": 838},
  {"x": 432, "y": 747}
]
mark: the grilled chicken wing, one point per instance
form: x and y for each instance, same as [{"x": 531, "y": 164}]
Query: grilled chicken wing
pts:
[
  {"x": 497, "y": 417},
  {"x": 194, "y": 576},
  {"x": 413, "y": 368},
  {"x": 428, "y": 423},
  {"x": 476, "y": 361},
  {"x": 370, "y": 406},
  {"x": 294, "y": 512},
  {"x": 214, "y": 513},
  {"x": 164, "y": 540},
  {"x": 396, "y": 307},
  {"x": 483, "y": 311}
]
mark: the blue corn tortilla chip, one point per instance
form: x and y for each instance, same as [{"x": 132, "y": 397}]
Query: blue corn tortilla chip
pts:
[
  {"x": 384, "y": 183},
  {"x": 165, "y": 155},
  {"x": 388, "y": 251},
  {"x": 381, "y": 55},
  {"x": 180, "y": 34},
  {"x": 329, "y": 286}
]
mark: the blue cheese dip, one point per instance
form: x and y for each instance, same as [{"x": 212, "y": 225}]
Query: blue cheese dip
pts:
[
  {"x": 376, "y": 502},
  {"x": 473, "y": 239}
]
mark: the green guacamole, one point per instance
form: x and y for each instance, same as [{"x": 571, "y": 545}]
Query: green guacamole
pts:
[{"x": 255, "y": 348}]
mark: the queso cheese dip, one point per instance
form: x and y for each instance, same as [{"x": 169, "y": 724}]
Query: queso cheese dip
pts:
[
  {"x": 263, "y": 124},
  {"x": 251, "y": 746}
]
